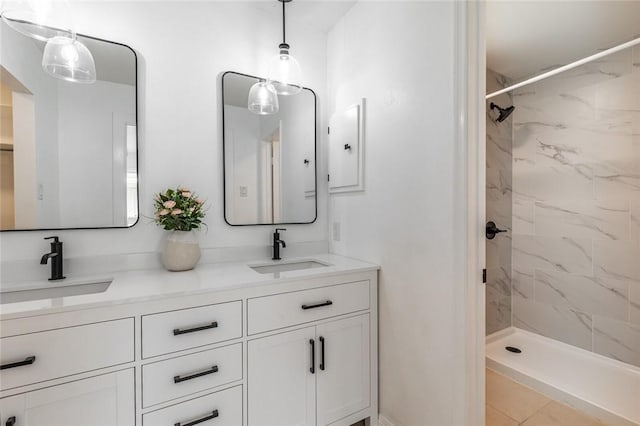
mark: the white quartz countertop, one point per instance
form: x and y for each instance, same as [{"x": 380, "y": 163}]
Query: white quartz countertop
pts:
[{"x": 146, "y": 285}]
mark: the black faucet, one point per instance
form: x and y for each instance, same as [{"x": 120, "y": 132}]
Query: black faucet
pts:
[
  {"x": 56, "y": 259},
  {"x": 276, "y": 243}
]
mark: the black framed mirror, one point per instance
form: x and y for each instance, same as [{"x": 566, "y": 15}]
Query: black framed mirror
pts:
[
  {"x": 69, "y": 151},
  {"x": 270, "y": 165}
]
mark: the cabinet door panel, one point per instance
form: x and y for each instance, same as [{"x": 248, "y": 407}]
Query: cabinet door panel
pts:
[
  {"x": 343, "y": 385},
  {"x": 281, "y": 387},
  {"x": 106, "y": 400}
]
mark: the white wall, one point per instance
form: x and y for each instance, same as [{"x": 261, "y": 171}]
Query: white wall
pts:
[
  {"x": 182, "y": 48},
  {"x": 400, "y": 56}
]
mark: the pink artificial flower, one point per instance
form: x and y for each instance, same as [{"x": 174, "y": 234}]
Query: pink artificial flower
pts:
[
  {"x": 186, "y": 194},
  {"x": 163, "y": 212},
  {"x": 191, "y": 209},
  {"x": 199, "y": 201},
  {"x": 176, "y": 212},
  {"x": 169, "y": 204}
]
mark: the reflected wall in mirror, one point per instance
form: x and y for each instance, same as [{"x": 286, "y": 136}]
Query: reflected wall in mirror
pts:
[
  {"x": 269, "y": 160},
  {"x": 68, "y": 151}
]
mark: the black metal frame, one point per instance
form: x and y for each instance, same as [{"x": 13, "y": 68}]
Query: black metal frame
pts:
[
  {"x": 135, "y": 58},
  {"x": 315, "y": 155}
]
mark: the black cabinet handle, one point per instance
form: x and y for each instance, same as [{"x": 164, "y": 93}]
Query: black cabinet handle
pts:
[
  {"x": 313, "y": 356},
  {"x": 178, "y": 379},
  {"x": 11, "y": 421},
  {"x": 322, "y": 364},
  {"x": 177, "y": 331},
  {"x": 317, "y": 305},
  {"x": 211, "y": 416},
  {"x": 27, "y": 361}
]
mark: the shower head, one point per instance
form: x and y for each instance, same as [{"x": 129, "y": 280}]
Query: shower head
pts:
[{"x": 504, "y": 112}]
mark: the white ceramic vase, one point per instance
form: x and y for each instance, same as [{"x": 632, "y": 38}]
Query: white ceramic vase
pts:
[{"x": 181, "y": 251}]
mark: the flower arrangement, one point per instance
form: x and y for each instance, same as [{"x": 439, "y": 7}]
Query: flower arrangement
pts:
[{"x": 178, "y": 210}]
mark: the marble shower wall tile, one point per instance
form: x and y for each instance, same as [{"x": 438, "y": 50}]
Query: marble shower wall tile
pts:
[
  {"x": 605, "y": 219},
  {"x": 634, "y": 217},
  {"x": 616, "y": 339},
  {"x": 634, "y": 304},
  {"x": 522, "y": 213},
  {"x": 522, "y": 282},
  {"x": 576, "y": 207},
  {"x": 558, "y": 323},
  {"x": 499, "y": 209},
  {"x": 617, "y": 260},
  {"x": 498, "y": 313},
  {"x": 583, "y": 293},
  {"x": 567, "y": 254}
]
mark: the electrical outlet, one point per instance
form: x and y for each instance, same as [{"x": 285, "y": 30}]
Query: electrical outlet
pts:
[
  {"x": 244, "y": 191},
  {"x": 336, "y": 231}
]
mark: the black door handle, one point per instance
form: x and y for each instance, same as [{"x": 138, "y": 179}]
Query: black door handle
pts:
[
  {"x": 178, "y": 331},
  {"x": 27, "y": 361},
  {"x": 492, "y": 230},
  {"x": 313, "y": 356},
  {"x": 322, "y": 364},
  {"x": 317, "y": 305},
  {"x": 211, "y": 416},
  {"x": 179, "y": 379},
  {"x": 11, "y": 421}
]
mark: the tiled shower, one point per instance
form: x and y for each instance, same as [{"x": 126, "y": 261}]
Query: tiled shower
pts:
[{"x": 563, "y": 176}]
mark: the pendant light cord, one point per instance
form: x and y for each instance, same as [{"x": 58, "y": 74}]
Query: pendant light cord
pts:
[{"x": 283, "y": 25}]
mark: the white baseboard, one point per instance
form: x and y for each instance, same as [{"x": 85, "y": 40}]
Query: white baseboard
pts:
[{"x": 383, "y": 421}]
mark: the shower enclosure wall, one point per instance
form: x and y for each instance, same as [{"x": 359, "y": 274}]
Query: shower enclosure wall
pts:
[
  {"x": 498, "y": 190},
  {"x": 573, "y": 177}
]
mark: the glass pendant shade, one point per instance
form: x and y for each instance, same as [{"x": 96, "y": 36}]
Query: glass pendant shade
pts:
[
  {"x": 263, "y": 99},
  {"x": 39, "y": 19},
  {"x": 68, "y": 59},
  {"x": 285, "y": 74}
]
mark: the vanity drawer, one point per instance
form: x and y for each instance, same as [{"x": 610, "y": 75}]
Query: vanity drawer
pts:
[
  {"x": 45, "y": 355},
  {"x": 189, "y": 328},
  {"x": 184, "y": 375},
  {"x": 283, "y": 310},
  {"x": 223, "y": 408}
]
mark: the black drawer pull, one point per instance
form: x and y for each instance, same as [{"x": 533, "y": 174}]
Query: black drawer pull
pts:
[
  {"x": 211, "y": 416},
  {"x": 11, "y": 421},
  {"x": 178, "y": 379},
  {"x": 177, "y": 331},
  {"x": 27, "y": 361},
  {"x": 318, "y": 305},
  {"x": 322, "y": 363}
]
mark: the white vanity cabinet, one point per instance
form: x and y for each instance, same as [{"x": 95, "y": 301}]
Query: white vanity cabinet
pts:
[
  {"x": 311, "y": 376},
  {"x": 317, "y": 375},
  {"x": 282, "y": 352},
  {"x": 104, "y": 400}
]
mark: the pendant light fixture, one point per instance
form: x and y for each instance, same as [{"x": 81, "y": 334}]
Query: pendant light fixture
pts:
[
  {"x": 64, "y": 57},
  {"x": 263, "y": 98},
  {"x": 68, "y": 59},
  {"x": 39, "y": 19},
  {"x": 284, "y": 70}
]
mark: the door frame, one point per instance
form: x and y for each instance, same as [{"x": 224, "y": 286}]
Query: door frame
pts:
[{"x": 469, "y": 113}]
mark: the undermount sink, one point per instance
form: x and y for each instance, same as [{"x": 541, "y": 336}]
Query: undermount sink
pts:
[
  {"x": 288, "y": 266},
  {"x": 53, "y": 291}
]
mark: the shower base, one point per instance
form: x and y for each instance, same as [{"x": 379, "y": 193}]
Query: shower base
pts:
[{"x": 599, "y": 386}]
